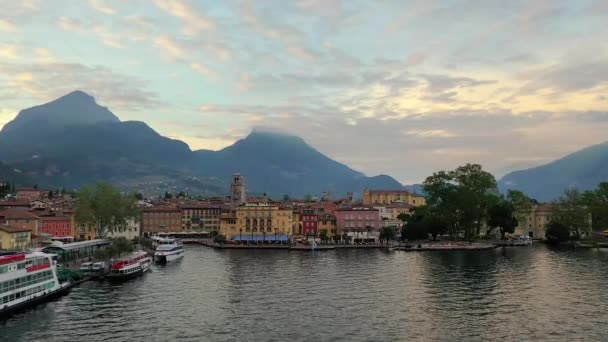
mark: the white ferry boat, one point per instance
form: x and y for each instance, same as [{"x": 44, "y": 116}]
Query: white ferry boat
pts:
[
  {"x": 28, "y": 279},
  {"x": 134, "y": 265},
  {"x": 168, "y": 250}
]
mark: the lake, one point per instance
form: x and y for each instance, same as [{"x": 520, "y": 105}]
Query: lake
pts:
[{"x": 516, "y": 294}]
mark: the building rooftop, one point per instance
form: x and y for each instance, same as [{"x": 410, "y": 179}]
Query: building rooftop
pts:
[
  {"x": 17, "y": 213},
  {"x": 13, "y": 229}
]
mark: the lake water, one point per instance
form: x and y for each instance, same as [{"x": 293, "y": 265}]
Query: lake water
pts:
[{"x": 516, "y": 294}]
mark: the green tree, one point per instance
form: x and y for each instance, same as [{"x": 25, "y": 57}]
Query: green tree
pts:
[
  {"x": 597, "y": 203},
  {"x": 168, "y": 195},
  {"x": 461, "y": 198},
  {"x": 121, "y": 245},
  {"x": 521, "y": 204},
  {"x": 570, "y": 210},
  {"x": 501, "y": 216},
  {"x": 323, "y": 234},
  {"x": 138, "y": 196},
  {"x": 104, "y": 208},
  {"x": 219, "y": 238},
  {"x": 557, "y": 232},
  {"x": 286, "y": 197},
  {"x": 387, "y": 234}
]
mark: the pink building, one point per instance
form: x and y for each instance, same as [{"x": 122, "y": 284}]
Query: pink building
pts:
[{"x": 359, "y": 223}]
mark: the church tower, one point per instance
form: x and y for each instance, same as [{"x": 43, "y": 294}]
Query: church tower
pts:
[{"x": 237, "y": 189}]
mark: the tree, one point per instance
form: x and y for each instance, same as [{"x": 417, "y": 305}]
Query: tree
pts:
[
  {"x": 138, "y": 196},
  {"x": 387, "y": 234},
  {"x": 461, "y": 198},
  {"x": 323, "y": 234},
  {"x": 570, "y": 211},
  {"x": 557, "y": 232},
  {"x": 168, "y": 195},
  {"x": 104, "y": 208},
  {"x": 122, "y": 245},
  {"x": 521, "y": 205},
  {"x": 597, "y": 203},
  {"x": 501, "y": 216},
  {"x": 285, "y": 197},
  {"x": 220, "y": 239}
]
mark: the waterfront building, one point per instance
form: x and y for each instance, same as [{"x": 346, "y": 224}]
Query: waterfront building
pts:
[
  {"x": 131, "y": 231},
  {"x": 200, "y": 217},
  {"x": 257, "y": 220},
  {"x": 358, "y": 223},
  {"x": 535, "y": 224},
  {"x": 384, "y": 197},
  {"x": 310, "y": 221},
  {"x": 238, "y": 193},
  {"x": 228, "y": 223},
  {"x": 14, "y": 238},
  {"x": 161, "y": 219},
  {"x": 327, "y": 222}
]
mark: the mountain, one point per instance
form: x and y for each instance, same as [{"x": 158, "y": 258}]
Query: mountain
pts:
[
  {"x": 282, "y": 164},
  {"x": 582, "y": 170},
  {"x": 73, "y": 141}
]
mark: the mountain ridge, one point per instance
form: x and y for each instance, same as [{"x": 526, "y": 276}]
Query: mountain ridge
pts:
[{"x": 72, "y": 141}]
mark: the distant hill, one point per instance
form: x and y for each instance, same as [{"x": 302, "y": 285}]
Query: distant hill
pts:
[
  {"x": 583, "y": 170},
  {"x": 73, "y": 141},
  {"x": 283, "y": 164}
]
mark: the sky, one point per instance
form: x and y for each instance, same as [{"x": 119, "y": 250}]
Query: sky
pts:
[{"x": 394, "y": 87}]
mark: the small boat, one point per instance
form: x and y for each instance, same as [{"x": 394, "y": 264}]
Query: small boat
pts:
[
  {"x": 168, "y": 250},
  {"x": 98, "y": 270},
  {"x": 134, "y": 265},
  {"x": 86, "y": 268},
  {"x": 28, "y": 279}
]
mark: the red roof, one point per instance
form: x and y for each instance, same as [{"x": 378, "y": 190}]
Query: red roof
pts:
[
  {"x": 13, "y": 229},
  {"x": 17, "y": 213}
]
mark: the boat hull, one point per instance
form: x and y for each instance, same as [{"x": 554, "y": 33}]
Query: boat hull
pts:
[
  {"x": 6, "y": 313},
  {"x": 163, "y": 259},
  {"x": 122, "y": 277}
]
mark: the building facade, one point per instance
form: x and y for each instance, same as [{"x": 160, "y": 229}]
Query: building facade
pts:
[
  {"x": 358, "y": 223},
  {"x": 262, "y": 219},
  {"x": 384, "y": 197},
  {"x": 20, "y": 218},
  {"x": 201, "y": 218},
  {"x": 56, "y": 226},
  {"x": 310, "y": 221},
  {"x": 161, "y": 219},
  {"x": 31, "y": 193},
  {"x": 327, "y": 223},
  {"x": 14, "y": 238}
]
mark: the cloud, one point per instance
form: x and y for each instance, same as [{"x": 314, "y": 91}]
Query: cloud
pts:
[
  {"x": 205, "y": 71},
  {"x": 102, "y": 7},
  {"x": 194, "y": 20},
  {"x": 171, "y": 47},
  {"x": 7, "y": 26},
  {"x": 70, "y": 24},
  {"x": 268, "y": 28},
  {"x": 8, "y": 51},
  {"x": 303, "y": 53},
  {"x": 45, "y": 56},
  {"x": 47, "y": 81}
]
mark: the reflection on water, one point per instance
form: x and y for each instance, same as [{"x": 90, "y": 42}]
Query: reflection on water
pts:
[{"x": 346, "y": 295}]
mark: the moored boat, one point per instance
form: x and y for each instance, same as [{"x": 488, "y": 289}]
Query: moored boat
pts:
[
  {"x": 168, "y": 250},
  {"x": 28, "y": 279},
  {"x": 134, "y": 265}
]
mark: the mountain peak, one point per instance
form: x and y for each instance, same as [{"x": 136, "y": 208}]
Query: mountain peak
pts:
[{"x": 75, "y": 108}]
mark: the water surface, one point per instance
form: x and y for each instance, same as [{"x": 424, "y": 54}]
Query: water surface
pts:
[{"x": 348, "y": 295}]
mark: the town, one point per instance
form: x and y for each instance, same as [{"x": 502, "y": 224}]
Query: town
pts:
[{"x": 32, "y": 217}]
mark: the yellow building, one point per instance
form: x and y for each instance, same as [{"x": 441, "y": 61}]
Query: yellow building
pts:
[
  {"x": 264, "y": 218},
  {"x": 14, "y": 238},
  {"x": 383, "y": 197},
  {"x": 327, "y": 222}
]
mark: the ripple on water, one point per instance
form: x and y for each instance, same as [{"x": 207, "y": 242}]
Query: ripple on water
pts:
[{"x": 351, "y": 295}]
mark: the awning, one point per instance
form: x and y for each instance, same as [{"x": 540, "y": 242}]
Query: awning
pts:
[{"x": 260, "y": 237}]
